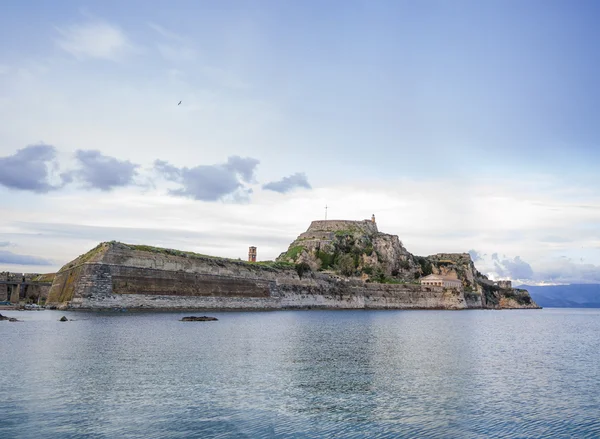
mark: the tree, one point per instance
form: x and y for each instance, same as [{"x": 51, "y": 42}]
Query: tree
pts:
[{"x": 345, "y": 264}]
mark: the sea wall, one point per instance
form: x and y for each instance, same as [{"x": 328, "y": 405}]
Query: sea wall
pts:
[{"x": 117, "y": 276}]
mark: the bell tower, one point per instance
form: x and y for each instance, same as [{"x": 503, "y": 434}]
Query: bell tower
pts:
[{"x": 252, "y": 254}]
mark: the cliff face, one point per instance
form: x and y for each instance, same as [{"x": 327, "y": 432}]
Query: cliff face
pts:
[
  {"x": 352, "y": 248},
  {"x": 334, "y": 264},
  {"x": 115, "y": 275},
  {"x": 479, "y": 291}
]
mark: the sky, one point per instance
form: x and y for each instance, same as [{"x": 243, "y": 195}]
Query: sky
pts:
[{"x": 210, "y": 126}]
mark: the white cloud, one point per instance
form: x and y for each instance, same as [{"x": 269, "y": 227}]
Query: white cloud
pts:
[
  {"x": 94, "y": 40},
  {"x": 429, "y": 216}
]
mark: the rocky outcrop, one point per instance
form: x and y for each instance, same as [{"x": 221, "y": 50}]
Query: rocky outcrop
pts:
[
  {"x": 334, "y": 264},
  {"x": 352, "y": 248},
  {"x": 10, "y": 319},
  {"x": 479, "y": 291}
]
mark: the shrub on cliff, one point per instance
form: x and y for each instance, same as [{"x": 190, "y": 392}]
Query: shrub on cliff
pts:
[
  {"x": 367, "y": 269},
  {"x": 379, "y": 275},
  {"x": 426, "y": 268},
  {"x": 326, "y": 259},
  {"x": 345, "y": 265},
  {"x": 294, "y": 252}
]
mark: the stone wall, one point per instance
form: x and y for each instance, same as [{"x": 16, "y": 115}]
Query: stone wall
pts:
[
  {"x": 366, "y": 226},
  {"x": 115, "y": 275},
  {"x": 16, "y": 293},
  {"x": 125, "y": 278}
]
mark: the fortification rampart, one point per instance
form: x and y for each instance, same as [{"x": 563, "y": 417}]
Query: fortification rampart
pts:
[
  {"x": 115, "y": 275},
  {"x": 323, "y": 230},
  {"x": 125, "y": 278},
  {"x": 17, "y": 287}
]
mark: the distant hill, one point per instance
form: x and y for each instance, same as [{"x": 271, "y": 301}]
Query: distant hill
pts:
[{"x": 566, "y": 296}]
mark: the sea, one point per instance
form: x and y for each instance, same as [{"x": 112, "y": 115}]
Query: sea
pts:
[{"x": 301, "y": 374}]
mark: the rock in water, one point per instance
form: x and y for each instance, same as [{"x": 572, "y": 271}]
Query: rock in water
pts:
[
  {"x": 63, "y": 319},
  {"x": 198, "y": 319},
  {"x": 10, "y": 319}
]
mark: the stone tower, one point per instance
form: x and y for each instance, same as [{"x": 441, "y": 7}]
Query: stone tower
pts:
[
  {"x": 373, "y": 218},
  {"x": 252, "y": 254}
]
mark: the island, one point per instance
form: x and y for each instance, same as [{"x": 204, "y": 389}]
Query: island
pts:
[{"x": 335, "y": 264}]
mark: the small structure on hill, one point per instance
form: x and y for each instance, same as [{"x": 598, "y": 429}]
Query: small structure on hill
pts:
[
  {"x": 436, "y": 280},
  {"x": 504, "y": 284},
  {"x": 252, "y": 254}
]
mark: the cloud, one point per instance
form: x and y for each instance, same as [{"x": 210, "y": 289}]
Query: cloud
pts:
[
  {"x": 28, "y": 169},
  {"x": 212, "y": 183},
  {"x": 516, "y": 268},
  {"x": 94, "y": 40},
  {"x": 287, "y": 184},
  {"x": 242, "y": 166},
  {"x": 475, "y": 255},
  {"x": 566, "y": 271},
  {"x": 5, "y": 243},
  {"x": 558, "y": 270},
  {"x": 99, "y": 171},
  {"x": 7, "y": 257}
]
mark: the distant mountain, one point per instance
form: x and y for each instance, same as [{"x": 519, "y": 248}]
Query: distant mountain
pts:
[{"x": 565, "y": 296}]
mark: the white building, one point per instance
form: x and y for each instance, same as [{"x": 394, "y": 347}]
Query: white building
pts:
[{"x": 437, "y": 280}]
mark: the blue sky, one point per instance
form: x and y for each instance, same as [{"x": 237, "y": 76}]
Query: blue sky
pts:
[{"x": 463, "y": 125}]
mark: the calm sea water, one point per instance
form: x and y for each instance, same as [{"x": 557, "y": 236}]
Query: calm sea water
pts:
[{"x": 307, "y": 374}]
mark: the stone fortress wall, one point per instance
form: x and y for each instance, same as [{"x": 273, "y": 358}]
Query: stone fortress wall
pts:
[
  {"x": 18, "y": 286},
  {"x": 116, "y": 275},
  {"x": 368, "y": 227},
  {"x": 119, "y": 277}
]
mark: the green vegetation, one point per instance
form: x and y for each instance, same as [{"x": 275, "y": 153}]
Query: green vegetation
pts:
[
  {"x": 520, "y": 296},
  {"x": 170, "y": 251},
  {"x": 327, "y": 259},
  {"x": 379, "y": 276},
  {"x": 44, "y": 277},
  {"x": 271, "y": 264},
  {"x": 293, "y": 252},
  {"x": 367, "y": 269},
  {"x": 426, "y": 268},
  {"x": 345, "y": 264}
]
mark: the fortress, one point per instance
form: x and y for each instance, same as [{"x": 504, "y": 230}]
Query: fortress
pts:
[{"x": 333, "y": 265}]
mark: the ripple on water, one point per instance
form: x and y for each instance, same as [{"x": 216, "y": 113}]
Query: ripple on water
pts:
[{"x": 304, "y": 374}]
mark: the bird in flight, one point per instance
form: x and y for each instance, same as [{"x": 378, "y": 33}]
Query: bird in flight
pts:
[{"x": 179, "y": 103}]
